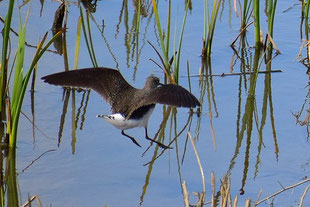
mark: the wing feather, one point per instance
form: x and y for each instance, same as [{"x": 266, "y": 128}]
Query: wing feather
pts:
[
  {"x": 169, "y": 94},
  {"x": 109, "y": 83}
]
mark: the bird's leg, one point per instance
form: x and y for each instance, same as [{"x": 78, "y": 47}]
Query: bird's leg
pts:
[
  {"x": 152, "y": 140},
  {"x": 132, "y": 139}
]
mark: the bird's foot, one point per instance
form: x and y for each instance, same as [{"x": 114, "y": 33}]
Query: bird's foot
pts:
[{"x": 132, "y": 139}]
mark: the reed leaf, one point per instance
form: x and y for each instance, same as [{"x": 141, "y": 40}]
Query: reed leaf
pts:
[
  {"x": 271, "y": 14},
  {"x": 161, "y": 37},
  {"x": 88, "y": 42},
  {"x": 3, "y": 66},
  {"x": 209, "y": 26},
  {"x": 245, "y": 13},
  {"x": 23, "y": 82},
  {"x": 168, "y": 29},
  {"x": 77, "y": 44},
  {"x": 177, "y": 54}
]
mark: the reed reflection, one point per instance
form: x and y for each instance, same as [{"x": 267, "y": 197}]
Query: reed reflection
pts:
[
  {"x": 132, "y": 30},
  {"x": 169, "y": 113},
  {"x": 8, "y": 178},
  {"x": 76, "y": 115},
  {"x": 58, "y": 26},
  {"x": 249, "y": 118},
  {"x": 206, "y": 85},
  {"x": 303, "y": 115}
]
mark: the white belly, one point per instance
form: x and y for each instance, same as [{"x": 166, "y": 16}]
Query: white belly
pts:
[{"x": 120, "y": 122}]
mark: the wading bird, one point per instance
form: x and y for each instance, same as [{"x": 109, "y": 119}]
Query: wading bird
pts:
[{"x": 130, "y": 107}]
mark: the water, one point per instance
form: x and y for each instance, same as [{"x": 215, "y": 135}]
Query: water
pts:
[{"x": 101, "y": 167}]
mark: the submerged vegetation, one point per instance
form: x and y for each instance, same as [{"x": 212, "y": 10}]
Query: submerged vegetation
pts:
[{"x": 249, "y": 62}]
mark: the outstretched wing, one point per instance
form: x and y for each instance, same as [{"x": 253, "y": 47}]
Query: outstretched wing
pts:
[
  {"x": 109, "y": 83},
  {"x": 169, "y": 94}
]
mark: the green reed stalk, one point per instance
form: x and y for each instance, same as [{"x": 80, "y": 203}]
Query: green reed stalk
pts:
[
  {"x": 21, "y": 81},
  {"x": 257, "y": 23},
  {"x": 88, "y": 38},
  {"x": 177, "y": 55},
  {"x": 138, "y": 17},
  {"x": 209, "y": 25},
  {"x": 77, "y": 44},
  {"x": 245, "y": 13},
  {"x": 168, "y": 29},
  {"x": 272, "y": 4},
  {"x": 161, "y": 37},
  {"x": 306, "y": 12},
  {"x": 173, "y": 76},
  {"x": 4, "y": 60}
]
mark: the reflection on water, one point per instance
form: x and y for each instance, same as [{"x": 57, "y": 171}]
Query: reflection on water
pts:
[
  {"x": 251, "y": 116},
  {"x": 303, "y": 115},
  {"x": 8, "y": 181},
  {"x": 207, "y": 85},
  {"x": 57, "y": 26}
]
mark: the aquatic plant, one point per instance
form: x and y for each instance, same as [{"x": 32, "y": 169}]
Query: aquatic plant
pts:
[
  {"x": 13, "y": 105},
  {"x": 88, "y": 37},
  {"x": 272, "y": 5},
  {"x": 171, "y": 74},
  {"x": 209, "y": 26},
  {"x": 257, "y": 35}
]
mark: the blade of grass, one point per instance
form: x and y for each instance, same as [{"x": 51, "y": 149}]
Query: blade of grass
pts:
[
  {"x": 3, "y": 66},
  {"x": 19, "y": 100},
  {"x": 77, "y": 44},
  {"x": 89, "y": 45},
  {"x": 178, "y": 53},
  {"x": 161, "y": 38}
]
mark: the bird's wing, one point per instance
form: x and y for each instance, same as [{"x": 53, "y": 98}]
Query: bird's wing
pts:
[
  {"x": 109, "y": 83},
  {"x": 169, "y": 94}
]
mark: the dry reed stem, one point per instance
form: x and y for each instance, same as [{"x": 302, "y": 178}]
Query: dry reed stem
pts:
[
  {"x": 240, "y": 73},
  {"x": 213, "y": 183},
  {"x": 303, "y": 196},
  {"x": 280, "y": 191},
  {"x": 233, "y": 42},
  {"x": 225, "y": 191},
  {"x": 201, "y": 196},
  {"x": 199, "y": 163},
  {"x": 304, "y": 43},
  {"x": 28, "y": 203},
  {"x": 235, "y": 201},
  {"x": 235, "y": 8},
  {"x": 273, "y": 43},
  {"x": 33, "y": 161},
  {"x": 185, "y": 194},
  {"x": 248, "y": 203}
]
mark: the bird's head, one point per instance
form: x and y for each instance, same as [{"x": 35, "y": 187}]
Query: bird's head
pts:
[{"x": 151, "y": 82}]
